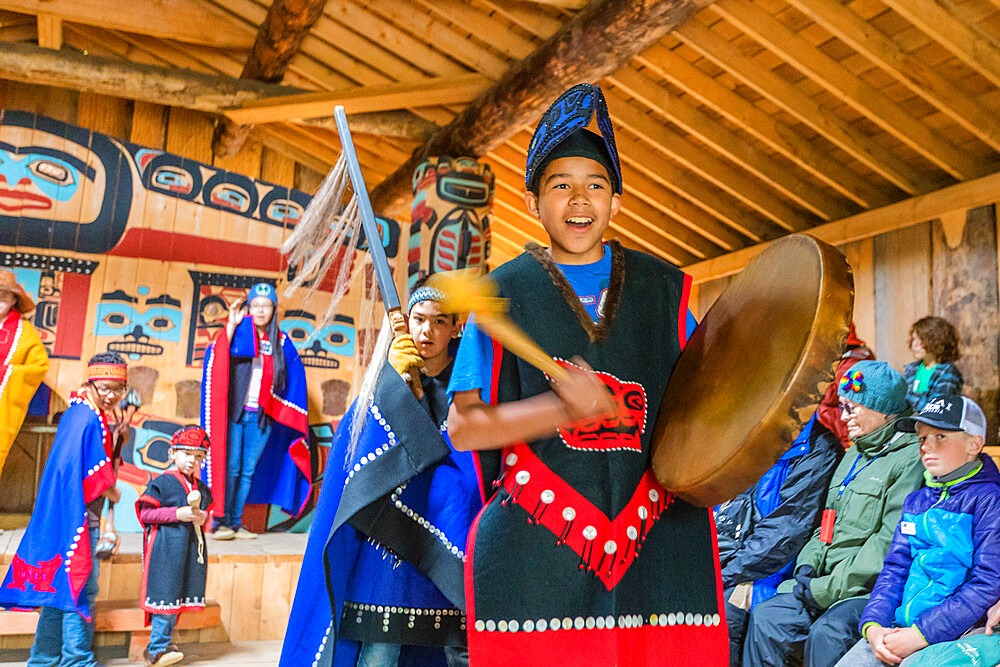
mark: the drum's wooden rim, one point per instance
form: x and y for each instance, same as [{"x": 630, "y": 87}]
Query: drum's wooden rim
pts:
[{"x": 769, "y": 439}]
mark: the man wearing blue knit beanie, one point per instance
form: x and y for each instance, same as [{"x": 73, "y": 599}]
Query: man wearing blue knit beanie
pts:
[{"x": 813, "y": 620}]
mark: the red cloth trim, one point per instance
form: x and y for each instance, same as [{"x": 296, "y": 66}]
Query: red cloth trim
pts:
[
  {"x": 645, "y": 645},
  {"x": 147, "y": 547},
  {"x": 530, "y": 482},
  {"x": 218, "y": 420},
  {"x": 683, "y": 311},
  {"x": 8, "y": 334},
  {"x": 80, "y": 564}
]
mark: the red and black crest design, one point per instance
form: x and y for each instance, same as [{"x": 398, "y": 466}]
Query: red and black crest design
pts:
[
  {"x": 38, "y": 576},
  {"x": 621, "y": 432}
]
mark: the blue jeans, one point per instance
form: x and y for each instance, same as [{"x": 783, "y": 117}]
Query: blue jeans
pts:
[
  {"x": 65, "y": 638},
  {"x": 246, "y": 444},
  {"x": 377, "y": 654},
  {"x": 161, "y": 631}
]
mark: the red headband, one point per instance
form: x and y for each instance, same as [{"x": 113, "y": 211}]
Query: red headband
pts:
[{"x": 106, "y": 371}]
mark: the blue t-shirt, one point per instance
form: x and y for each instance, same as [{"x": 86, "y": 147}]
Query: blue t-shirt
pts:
[{"x": 473, "y": 366}]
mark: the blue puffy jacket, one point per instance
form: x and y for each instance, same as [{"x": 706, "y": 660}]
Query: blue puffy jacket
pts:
[{"x": 942, "y": 571}]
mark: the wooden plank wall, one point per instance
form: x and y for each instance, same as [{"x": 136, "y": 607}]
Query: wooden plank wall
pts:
[{"x": 904, "y": 275}]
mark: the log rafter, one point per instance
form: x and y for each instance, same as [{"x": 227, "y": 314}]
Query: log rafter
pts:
[{"x": 277, "y": 42}]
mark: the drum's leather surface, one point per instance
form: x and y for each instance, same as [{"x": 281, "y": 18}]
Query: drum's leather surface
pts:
[{"x": 763, "y": 353}]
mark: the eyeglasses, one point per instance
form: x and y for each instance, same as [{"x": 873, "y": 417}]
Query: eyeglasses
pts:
[
  {"x": 846, "y": 409},
  {"x": 260, "y": 307},
  {"x": 104, "y": 390}
]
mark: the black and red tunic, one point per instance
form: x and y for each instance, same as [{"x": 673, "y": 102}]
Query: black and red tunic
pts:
[
  {"x": 581, "y": 557},
  {"x": 172, "y": 578}
]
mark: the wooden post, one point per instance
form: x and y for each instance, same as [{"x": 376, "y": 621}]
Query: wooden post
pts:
[
  {"x": 278, "y": 40},
  {"x": 965, "y": 292},
  {"x": 596, "y": 42}
]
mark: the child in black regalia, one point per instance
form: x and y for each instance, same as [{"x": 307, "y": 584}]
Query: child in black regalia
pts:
[{"x": 172, "y": 511}]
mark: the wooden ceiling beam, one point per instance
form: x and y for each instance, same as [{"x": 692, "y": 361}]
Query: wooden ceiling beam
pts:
[
  {"x": 388, "y": 123},
  {"x": 672, "y": 144},
  {"x": 362, "y": 99},
  {"x": 878, "y": 158},
  {"x": 970, "y": 194},
  {"x": 863, "y": 97},
  {"x": 755, "y": 122},
  {"x": 50, "y": 31},
  {"x": 562, "y": 4},
  {"x": 737, "y": 149},
  {"x": 593, "y": 44},
  {"x": 277, "y": 42},
  {"x": 911, "y": 70},
  {"x": 965, "y": 41},
  {"x": 183, "y": 20},
  {"x": 529, "y": 18}
]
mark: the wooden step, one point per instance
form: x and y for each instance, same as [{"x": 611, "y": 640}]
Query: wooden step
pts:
[{"x": 117, "y": 616}]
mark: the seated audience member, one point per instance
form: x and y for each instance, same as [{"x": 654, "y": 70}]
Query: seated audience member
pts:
[
  {"x": 942, "y": 572},
  {"x": 855, "y": 350},
  {"x": 934, "y": 342},
  {"x": 815, "y": 616},
  {"x": 762, "y": 529}
]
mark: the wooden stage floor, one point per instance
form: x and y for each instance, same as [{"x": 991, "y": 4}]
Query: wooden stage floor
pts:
[{"x": 239, "y": 653}]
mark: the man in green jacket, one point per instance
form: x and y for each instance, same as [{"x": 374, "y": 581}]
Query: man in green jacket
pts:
[{"x": 814, "y": 617}]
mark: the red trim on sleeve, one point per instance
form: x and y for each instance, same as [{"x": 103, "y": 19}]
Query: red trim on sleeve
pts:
[{"x": 682, "y": 313}]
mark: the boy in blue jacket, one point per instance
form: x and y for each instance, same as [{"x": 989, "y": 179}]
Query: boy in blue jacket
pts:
[{"x": 942, "y": 571}]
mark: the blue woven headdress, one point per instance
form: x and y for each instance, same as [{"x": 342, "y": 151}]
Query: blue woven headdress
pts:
[{"x": 570, "y": 112}]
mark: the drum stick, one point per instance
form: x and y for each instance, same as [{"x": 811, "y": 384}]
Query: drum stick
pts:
[{"x": 194, "y": 500}]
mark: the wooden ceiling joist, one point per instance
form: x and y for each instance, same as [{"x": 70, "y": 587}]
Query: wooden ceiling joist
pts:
[
  {"x": 50, "y": 31},
  {"x": 593, "y": 44},
  {"x": 849, "y": 139},
  {"x": 944, "y": 27},
  {"x": 940, "y": 91},
  {"x": 755, "y": 122},
  {"x": 183, "y": 20},
  {"x": 388, "y": 123},
  {"x": 364, "y": 99},
  {"x": 277, "y": 42},
  {"x": 850, "y": 89},
  {"x": 737, "y": 149}
]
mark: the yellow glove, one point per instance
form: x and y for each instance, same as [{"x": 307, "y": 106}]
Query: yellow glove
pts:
[{"x": 403, "y": 354}]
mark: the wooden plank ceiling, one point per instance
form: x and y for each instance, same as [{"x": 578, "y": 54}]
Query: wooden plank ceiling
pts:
[{"x": 753, "y": 119}]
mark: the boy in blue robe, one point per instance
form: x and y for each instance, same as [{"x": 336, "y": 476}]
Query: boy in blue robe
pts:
[
  {"x": 55, "y": 567},
  {"x": 388, "y": 536}
]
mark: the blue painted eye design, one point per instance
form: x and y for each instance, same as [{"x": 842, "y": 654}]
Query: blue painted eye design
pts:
[
  {"x": 173, "y": 179},
  {"x": 284, "y": 210}
]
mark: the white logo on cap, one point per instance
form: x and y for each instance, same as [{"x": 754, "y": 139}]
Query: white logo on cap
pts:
[{"x": 937, "y": 406}]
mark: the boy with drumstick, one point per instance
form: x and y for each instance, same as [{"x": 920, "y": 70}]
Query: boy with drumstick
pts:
[
  {"x": 173, "y": 510},
  {"x": 551, "y": 566}
]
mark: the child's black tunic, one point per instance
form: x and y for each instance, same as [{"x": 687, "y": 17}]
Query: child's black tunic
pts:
[{"x": 172, "y": 578}]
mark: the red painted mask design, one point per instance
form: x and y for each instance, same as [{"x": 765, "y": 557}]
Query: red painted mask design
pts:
[{"x": 622, "y": 431}]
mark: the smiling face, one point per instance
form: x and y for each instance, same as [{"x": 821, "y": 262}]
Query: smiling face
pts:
[
  {"x": 431, "y": 329},
  {"x": 261, "y": 310},
  {"x": 7, "y": 301},
  {"x": 188, "y": 461},
  {"x": 860, "y": 420},
  {"x": 575, "y": 203},
  {"x": 942, "y": 451}
]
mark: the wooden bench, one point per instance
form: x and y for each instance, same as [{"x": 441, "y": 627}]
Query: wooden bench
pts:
[{"x": 117, "y": 616}]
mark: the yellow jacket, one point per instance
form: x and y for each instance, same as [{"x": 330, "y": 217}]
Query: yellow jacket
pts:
[{"x": 23, "y": 363}]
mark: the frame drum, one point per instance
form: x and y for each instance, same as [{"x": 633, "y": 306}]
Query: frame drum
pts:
[{"x": 760, "y": 358}]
